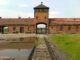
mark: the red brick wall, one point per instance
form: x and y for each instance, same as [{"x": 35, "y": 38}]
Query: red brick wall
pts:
[{"x": 56, "y": 29}]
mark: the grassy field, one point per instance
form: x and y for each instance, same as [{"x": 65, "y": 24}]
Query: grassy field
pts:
[{"x": 68, "y": 44}]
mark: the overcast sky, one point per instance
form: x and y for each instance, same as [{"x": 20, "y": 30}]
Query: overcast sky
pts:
[{"x": 24, "y": 8}]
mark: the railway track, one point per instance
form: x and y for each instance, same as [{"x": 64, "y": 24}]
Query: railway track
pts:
[{"x": 44, "y": 51}]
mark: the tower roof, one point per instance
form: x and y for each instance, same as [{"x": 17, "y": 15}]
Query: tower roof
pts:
[{"x": 41, "y": 6}]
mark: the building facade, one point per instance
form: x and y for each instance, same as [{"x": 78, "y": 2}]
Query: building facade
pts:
[{"x": 41, "y": 23}]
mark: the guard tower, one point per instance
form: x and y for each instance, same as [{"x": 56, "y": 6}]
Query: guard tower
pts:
[{"x": 41, "y": 14}]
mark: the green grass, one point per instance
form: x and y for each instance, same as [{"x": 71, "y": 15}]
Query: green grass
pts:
[{"x": 67, "y": 43}]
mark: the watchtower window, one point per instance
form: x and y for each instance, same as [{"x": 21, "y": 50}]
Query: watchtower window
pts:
[
  {"x": 44, "y": 10},
  {"x": 36, "y": 17},
  {"x": 41, "y": 10},
  {"x": 37, "y": 10},
  {"x": 45, "y": 17}
]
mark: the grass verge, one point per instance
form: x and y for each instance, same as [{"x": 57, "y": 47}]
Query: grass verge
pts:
[{"x": 68, "y": 44}]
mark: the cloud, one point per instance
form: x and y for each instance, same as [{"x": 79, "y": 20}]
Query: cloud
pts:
[
  {"x": 54, "y": 14},
  {"x": 22, "y": 5},
  {"x": 14, "y": 14},
  {"x": 3, "y": 2},
  {"x": 7, "y": 13},
  {"x": 77, "y": 11}
]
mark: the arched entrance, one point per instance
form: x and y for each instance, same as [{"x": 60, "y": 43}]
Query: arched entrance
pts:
[{"x": 41, "y": 28}]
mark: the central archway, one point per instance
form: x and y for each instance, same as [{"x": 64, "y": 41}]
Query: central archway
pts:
[{"x": 41, "y": 28}]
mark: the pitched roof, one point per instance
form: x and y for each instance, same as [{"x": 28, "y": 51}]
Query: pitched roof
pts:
[
  {"x": 15, "y": 21},
  {"x": 31, "y": 21},
  {"x": 64, "y": 21},
  {"x": 41, "y": 6}
]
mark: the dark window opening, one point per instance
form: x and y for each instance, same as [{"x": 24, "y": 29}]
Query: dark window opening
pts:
[
  {"x": 44, "y": 10},
  {"x": 0, "y": 30},
  {"x": 14, "y": 28},
  {"x": 45, "y": 17},
  {"x": 61, "y": 28},
  {"x": 36, "y": 17},
  {"x": 52, "y": 27},
  {"x": 41, "y": 10},
  {"x": 28, "y": 28},
  {"x": 77, "y": 27},
  {"x": 69, "y": 27},
  {"x": 21, "y": 29}
]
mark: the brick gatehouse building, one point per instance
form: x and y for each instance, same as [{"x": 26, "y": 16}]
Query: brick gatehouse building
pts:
[{"x": 41, "y": 17}]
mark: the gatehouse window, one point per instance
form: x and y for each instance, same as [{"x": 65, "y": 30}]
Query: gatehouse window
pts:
[
  {"x": 45, "y": 17},
  {"x": 36, "y": 10},
  {"x": 36, "y": 17},
  {"x": 44, "y": 10}
]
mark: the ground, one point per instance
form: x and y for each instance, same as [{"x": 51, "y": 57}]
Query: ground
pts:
[
  {"x": 69, "y": 44},
  {"x": 13, "y": 41}
]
